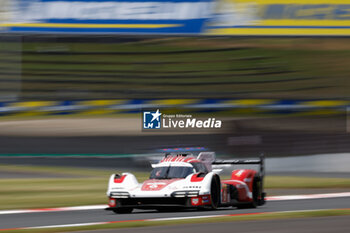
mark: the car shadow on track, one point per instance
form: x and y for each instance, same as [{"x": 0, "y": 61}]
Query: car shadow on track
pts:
[{"x": 177, "y": 210}]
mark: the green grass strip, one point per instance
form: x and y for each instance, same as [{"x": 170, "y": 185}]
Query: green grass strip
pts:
[{"x": 87, "y": 186}]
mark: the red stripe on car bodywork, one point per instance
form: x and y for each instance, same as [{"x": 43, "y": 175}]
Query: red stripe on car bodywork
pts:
[
  {"x": 119, "y": 180},
  {"x": 195, "y": 178}
]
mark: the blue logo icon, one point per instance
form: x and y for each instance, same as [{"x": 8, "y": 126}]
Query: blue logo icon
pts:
[{"x": 152, "y": 120}]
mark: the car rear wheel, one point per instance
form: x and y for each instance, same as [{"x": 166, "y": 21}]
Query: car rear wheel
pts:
[
  {"x": 123, "y": 210},
  {"x": 256, "y": 193}
]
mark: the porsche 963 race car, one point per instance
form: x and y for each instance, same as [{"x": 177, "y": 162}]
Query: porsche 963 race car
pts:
[{"x": 183, "y": 180}]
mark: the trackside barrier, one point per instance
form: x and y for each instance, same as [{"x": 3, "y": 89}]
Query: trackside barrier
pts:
[{"x": 249, "y": 106}]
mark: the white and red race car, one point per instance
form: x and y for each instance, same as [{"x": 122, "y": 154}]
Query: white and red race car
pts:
[{"x": 183, "y": 180}]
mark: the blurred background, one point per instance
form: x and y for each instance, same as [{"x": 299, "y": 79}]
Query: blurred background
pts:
[{"x": 75, "y": 77}]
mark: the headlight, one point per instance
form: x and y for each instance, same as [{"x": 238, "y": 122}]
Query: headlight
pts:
[
  {"x": 120, "y": 194},
  {"x": 193, "y": 193}
]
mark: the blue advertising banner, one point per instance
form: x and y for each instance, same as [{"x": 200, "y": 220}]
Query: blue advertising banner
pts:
[{"x": 110, "y": 16}]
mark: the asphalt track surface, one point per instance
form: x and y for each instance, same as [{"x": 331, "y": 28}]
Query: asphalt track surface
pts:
[
  {"x": 88, "y": 216},
  {"x": 304, "y": 225}
]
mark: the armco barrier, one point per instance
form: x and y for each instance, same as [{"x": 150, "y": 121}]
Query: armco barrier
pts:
[
  {"x": 239, "y": 106},
  {"x": 220, "y": 17}
]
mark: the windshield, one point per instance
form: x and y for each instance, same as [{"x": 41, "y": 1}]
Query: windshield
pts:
[{"x": 170, "y": 172}]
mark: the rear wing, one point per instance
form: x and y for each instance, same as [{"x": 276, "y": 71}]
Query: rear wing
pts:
[{"x": 260, "y": 161}]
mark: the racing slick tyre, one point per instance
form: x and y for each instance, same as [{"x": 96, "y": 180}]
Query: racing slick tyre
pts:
[
  {"x": 215, "y": 191},
  {"x": 256, "y": 193},
  {"x": 123, "y": 210}
]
